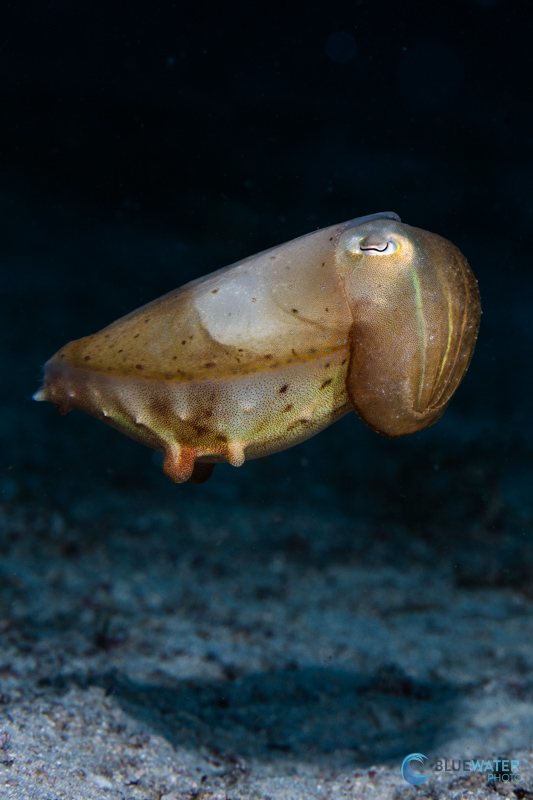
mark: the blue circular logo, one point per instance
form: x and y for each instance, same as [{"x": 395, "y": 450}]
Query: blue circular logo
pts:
[{"x": 407, "y": 773}]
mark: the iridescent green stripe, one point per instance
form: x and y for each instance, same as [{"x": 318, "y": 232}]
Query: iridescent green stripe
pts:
[
  {"x": 446, "y": 289},
  {"x": 421, "y": 332}
]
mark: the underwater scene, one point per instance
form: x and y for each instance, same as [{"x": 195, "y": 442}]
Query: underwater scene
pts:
[{"x": 274, "y": 262}]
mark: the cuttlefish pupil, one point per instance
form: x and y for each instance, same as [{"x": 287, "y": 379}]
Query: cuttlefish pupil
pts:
[
  {"x": 265, "y": 353},
  {"x": 376, "y": 244}
]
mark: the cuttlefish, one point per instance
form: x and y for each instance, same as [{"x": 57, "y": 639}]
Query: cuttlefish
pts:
[{"x": 370, "y": 315}]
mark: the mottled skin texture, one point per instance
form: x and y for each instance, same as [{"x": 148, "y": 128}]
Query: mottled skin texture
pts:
[{"x": 370, "y": 314}]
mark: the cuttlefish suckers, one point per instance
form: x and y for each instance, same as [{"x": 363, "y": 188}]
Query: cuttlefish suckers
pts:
[{"x": 371, "y": 315}]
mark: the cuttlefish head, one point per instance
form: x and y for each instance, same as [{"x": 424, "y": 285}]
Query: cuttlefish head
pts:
[{"x": 415, "y": 310}]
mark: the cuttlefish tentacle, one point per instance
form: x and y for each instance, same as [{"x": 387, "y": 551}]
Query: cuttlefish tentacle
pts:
[{"x": 371, "y": 315}]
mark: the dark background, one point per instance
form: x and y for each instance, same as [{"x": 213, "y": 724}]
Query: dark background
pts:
[
  {"x": 145, "y": 144},
  {"x": 218, "y": 121}
]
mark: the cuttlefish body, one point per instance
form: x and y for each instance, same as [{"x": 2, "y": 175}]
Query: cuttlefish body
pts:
[{"x": 371, "y": 315}]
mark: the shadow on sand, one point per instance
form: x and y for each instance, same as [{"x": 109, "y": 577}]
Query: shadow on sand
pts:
[{"x": 319, "y": 713}]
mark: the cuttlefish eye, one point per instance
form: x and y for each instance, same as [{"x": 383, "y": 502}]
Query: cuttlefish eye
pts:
[{"x": 376, "y": 246}]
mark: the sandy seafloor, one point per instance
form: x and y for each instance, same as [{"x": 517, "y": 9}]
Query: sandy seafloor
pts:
[{"x": 290, "y": 629}]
